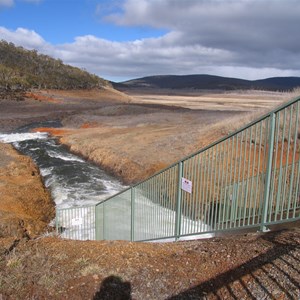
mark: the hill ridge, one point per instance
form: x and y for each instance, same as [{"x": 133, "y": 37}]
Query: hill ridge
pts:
[{"x": 209, "y": 82}]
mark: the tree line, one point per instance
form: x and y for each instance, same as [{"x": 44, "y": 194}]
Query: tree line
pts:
[{"x": 22, "y": 69}]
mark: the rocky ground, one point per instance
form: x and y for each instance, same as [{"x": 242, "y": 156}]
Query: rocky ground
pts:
[{"x": 35, "y": 266}]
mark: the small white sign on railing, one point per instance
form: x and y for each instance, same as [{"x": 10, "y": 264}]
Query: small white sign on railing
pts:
[
  {"x": 186, "y": 185},
  {"x": 77, "y": 221}
]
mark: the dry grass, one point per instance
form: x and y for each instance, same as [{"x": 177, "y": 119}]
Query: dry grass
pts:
[
  {"x": 90, "y": 269},
  {"x": 104, "y": 94},
  {"x": 185, "y": 270},
  {"x": 229, "y": 101}
]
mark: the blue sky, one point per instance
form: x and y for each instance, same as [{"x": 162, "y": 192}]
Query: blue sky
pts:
[
  {"x": 59, "y": 21},
  {"x": 124, "y": 39}
]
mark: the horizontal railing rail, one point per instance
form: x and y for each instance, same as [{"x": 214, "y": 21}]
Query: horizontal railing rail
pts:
[{"x": 248, "y": 179}]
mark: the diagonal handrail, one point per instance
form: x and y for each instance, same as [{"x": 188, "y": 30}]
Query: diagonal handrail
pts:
[
  {"x": 250, "y": 178},
  {"x": 261, "y": 118}
]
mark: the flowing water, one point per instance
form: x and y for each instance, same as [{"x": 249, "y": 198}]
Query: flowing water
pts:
[
  {"x": 75, "y": 182},
  {"x": 72, "y": 180}
]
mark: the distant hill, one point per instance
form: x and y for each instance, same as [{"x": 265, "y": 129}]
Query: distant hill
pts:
[
  {"x": 209, "y": 82},
  {"x": 21, "y": 69}
]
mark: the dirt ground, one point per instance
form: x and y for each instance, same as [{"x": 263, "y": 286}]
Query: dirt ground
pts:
[
  {"x": 53, "y": 105},
  {"x": 248, "y": 266},
  {"x": 26, "y": 208},
  {"x": 129, "y": 137},
  {"x": 133, "y": 137}
]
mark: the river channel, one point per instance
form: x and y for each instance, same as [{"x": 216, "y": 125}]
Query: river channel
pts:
[{"x": 72, "y": 180}]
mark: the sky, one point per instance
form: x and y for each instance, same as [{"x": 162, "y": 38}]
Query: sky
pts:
[{"x": 125, "y": 39}]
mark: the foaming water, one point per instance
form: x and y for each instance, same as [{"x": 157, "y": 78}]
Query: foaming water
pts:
[
  {"x": 75, "y": 183},
  {"x": 71, "y": 180},
  {"x": 20, "y": 137}
]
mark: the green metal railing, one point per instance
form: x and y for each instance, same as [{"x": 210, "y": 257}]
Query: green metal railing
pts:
[{"x": 247, "y": 179}]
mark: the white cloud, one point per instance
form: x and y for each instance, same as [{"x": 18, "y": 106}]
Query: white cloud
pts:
[
  {"x": 248, "y": 39},
  {"x": 140, "y": 57},
  {"x": 254, "y": 24},
  {"x": 256, "y": 34},
  {"x": 6, "y": 3},
  {"x": 164, "y": 55},
  {"x": 23, "y": 37}
]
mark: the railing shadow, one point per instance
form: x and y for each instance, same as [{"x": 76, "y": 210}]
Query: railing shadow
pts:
[{"x": 256, "y": 268}]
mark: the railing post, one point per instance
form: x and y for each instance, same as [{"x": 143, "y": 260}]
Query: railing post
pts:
[
  {"x": 268, "y": 174},
  {"x": 96, "y": 224},
  {"x": 103, "y": 224},
  {"x": 132, "y": 214},
  {"x": 56, "y": 221},
  {"x": 178, "y": 203}
]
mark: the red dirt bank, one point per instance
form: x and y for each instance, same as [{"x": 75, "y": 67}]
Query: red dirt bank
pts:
[{"x": 26, "y": 208}]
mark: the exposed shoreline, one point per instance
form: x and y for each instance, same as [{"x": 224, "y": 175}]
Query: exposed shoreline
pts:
[{"x": 103, "y": 130}]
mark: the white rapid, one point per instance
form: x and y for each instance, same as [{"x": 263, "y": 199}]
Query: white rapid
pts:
[{"x": 72, "y": 180}]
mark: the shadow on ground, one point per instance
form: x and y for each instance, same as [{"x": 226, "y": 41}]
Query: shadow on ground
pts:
[
  {"x": 113, "y": 288},
  {"x": 260, "y": 277}
]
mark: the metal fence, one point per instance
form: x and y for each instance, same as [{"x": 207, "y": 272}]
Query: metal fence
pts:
[{"x": 248, "y": 179}]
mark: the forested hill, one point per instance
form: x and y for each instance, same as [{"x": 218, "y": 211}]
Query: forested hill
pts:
[
  {"x": 21, "y": 69},
  {"x": 209, "y": 82}
]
